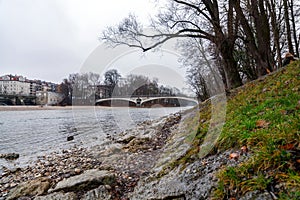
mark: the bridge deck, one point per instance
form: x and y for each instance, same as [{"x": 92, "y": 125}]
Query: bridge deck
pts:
[{"x": 148, "y": 100}]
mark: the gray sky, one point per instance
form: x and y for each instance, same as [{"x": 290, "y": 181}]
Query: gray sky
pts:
[{"x": 49, "y": 39}]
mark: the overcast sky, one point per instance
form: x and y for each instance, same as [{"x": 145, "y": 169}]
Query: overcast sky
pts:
[{"x": 49, "y": 39}]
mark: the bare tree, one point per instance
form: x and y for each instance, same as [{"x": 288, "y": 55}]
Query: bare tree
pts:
[
  {"x": 295, "y": 13},
  {"x": 257, "y": 38},
  {"x": 83, "y": 87},
  {"x": 188, "y": 19},
  {"x": 247, "y": 37},
  {"x": 65, "y": 88},
  {"x": 203, "y": 75},
  {"x": 288, "y": 26},
  {"x": 274, "y": 8},
  {"x": 198, "y": 84},
  {"x": 111, "y": 79}
]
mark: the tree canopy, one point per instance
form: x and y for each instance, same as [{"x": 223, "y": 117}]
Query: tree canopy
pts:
[{"x": 246, "y": 38}]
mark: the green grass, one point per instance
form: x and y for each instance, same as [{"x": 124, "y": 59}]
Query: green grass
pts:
[
  {"x": 264, "y": 115},
  {"x": 274, "y": 147}
]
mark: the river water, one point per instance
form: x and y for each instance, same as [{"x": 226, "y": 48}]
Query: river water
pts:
[{"x": 33, "y": 133}]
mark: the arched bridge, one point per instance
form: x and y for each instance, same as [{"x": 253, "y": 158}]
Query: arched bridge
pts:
[{"x": 167, "y": 101}]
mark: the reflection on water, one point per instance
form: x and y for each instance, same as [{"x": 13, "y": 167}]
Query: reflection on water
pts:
[{"x": 38, "y": 132}]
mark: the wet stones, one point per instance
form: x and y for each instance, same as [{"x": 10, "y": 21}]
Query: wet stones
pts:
[
  {"x": 55, "y": 166},
  {"x": 89, "y": 179},
  {"x": 77, "y": 171},
  {"x": 10, "y": 156},
  {"x": 126, "y": 140},
  {"x": 99, "y": 193},
  {"x": 154, "y": 139},
  {"x": 70, "y": 138},
  {"x": 58, "y": 196},
  {"x": 30, "y": 188}
]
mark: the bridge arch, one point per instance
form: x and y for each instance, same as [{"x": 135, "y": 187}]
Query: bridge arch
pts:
[
  {"x": 115, "y": 102},
  {"x": 169, "y": 101}
]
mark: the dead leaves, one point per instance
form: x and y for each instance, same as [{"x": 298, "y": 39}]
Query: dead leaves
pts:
[
  {"x": 262, "y": 123},
  {"x": 236, "y": 155},
  {"x": 244, "y": 150},
  {"x": 287, "y": 147}
]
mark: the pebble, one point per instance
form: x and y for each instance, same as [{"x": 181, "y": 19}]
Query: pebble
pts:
[
  {"x": 13, "y": 185},
  {"x": 47, "y": 174}
]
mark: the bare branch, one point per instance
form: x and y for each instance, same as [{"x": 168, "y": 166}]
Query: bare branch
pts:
[{"x": 194, "y": 7}]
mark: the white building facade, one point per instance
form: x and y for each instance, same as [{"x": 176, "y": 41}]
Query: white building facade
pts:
[
  {"x": 14, "y": 86},
  {"x": 48, "y": 98}
]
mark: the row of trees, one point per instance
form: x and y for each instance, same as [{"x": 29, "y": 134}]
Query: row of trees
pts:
[
  {"x": 222, "y": 42},
  {"x": 136, "y": 85},
  {"x": 85, "y": 88}
]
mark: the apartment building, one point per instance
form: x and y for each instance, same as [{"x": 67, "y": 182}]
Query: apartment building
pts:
[{"x": 14, "y": 85}]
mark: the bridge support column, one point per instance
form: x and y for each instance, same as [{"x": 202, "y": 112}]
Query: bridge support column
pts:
[{"x": 138, "y": 102}]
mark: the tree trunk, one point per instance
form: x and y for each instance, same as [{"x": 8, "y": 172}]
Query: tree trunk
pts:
[
  {"x": 225, "y": 43},
  {"x": 232, "y": 75},
  {"x": 275, "y": 30},
  {"x": 294, "y": 28},
  {"x": 288, "y": 27},
  {"x": 258, "y": 46},
  {"x": 264, "y": 60}
]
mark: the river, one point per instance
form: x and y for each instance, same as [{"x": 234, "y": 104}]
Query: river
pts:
[{"x": 32, "y": 133}]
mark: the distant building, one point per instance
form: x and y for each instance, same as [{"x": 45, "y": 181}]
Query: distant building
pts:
[
  {"x": 20, "y": 86},
  {"x": 33, "y": 87},
  {"x": 48, "y": 98},
  {"x": 14, "y": 85}
]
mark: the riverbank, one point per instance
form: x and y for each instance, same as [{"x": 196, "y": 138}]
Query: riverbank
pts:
[
  {"x": 25, "y": 108},
  {"x": 122, "y": 159}
]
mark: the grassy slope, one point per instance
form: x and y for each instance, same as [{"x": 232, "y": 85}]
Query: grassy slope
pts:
[{"x": 263, "y": 115}]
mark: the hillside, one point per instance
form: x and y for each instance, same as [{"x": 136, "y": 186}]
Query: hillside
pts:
[
  {"x": 262, "y": 124},
  {"x": 256, "y": 156},
  {"x": 264, "y": 116}
]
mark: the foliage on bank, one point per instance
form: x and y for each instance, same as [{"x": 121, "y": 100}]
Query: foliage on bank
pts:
[{"x": 264, "y": 116}]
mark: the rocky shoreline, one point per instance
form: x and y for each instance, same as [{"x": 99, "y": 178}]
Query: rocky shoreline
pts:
[
  {"x": 128, "y": 166},
  {"x": 126, "y": 158}
]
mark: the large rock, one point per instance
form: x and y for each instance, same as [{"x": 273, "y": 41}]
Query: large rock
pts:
[
  {"x": 261, "y": 195},
  {"x": 195, "y": 182},
  {"x": 96, "y": 194},
  {"x": 58, "y": 196},
  {"x": 10, "y": 156},
  {"x": 89, "y": 179},
  {"x": 31, "y": 188}
]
